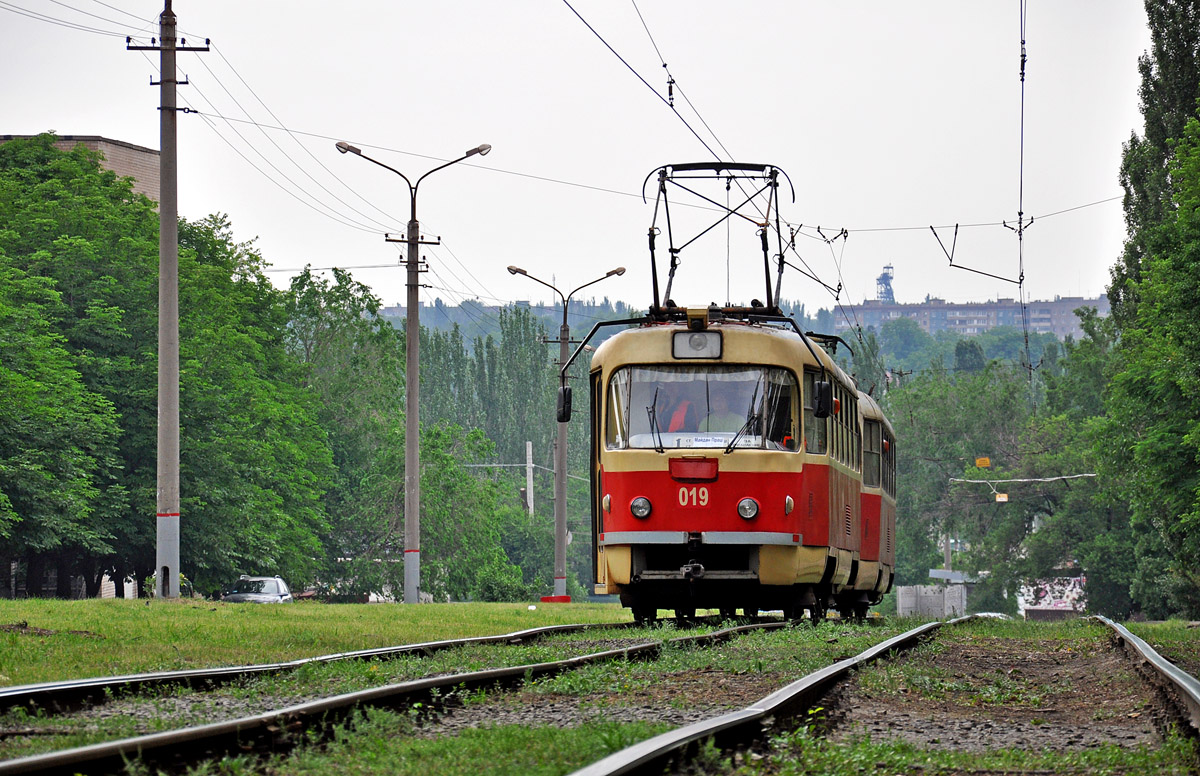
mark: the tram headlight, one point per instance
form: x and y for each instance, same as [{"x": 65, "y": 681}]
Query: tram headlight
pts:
[
  {"x": 640, "y": 507},
  {"x": 747, "y": 508}
]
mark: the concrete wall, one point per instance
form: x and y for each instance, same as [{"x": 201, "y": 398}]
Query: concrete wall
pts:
[{"x": 932, "y": 601}]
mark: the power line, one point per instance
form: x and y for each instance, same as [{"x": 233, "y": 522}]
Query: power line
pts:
[
  {"x": 59, "y": 22},
  {"x": 319, "y": 207},
  {"x": 292, "y": 135},
  {"x": 803, "y": 230}
]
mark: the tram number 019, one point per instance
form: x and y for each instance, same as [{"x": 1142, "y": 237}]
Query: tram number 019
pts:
[{"x": 693, "y": 497}]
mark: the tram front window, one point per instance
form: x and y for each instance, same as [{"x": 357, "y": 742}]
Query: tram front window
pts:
[{"x": 701, "y": 406}]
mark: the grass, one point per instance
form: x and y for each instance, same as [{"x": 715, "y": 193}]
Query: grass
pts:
[
  {"x": 376, "y": 742},
  {"x": 113, "y": 637},
  {"x": 1174, "y": 640},
  {"x": 803, "y": 752},
  {"x": 787, "y": 654}
]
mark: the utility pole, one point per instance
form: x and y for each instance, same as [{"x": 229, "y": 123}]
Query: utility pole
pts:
[
  {"x": 560, "y": 445},
  {"x": 166, "y": 562},
  {"x": 412, "y": 387},
  {"x": 529, "y": 476}
]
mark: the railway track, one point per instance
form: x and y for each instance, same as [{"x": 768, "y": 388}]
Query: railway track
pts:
[
  {"x": 776, "y": 726},
  {"x": 276, "y": 729},
  {"x": 843, "y": 713},
  {"x": 75, "y": 693}
]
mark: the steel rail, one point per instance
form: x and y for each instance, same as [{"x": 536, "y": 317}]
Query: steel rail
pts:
[
  {"x": 274, "y": 730},
  {"x": 741, "y": 727},
  {"x": 1185, "y": 686},
  {"x": 69, "y": 694}
]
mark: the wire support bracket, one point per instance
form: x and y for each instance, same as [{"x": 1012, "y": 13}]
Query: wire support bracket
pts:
[{"x": 950, "y": 257}]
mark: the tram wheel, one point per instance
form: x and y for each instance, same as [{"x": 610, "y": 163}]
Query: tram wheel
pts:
[
  {"x": 728, "y": 613},
  {"x": 685, "y": 613},
  {"x": 644, "y": 615}
]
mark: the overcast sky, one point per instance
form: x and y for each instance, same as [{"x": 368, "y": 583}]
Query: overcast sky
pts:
[{"x": 888, "y": 117}]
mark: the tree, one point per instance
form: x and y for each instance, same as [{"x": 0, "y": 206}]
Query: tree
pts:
[
  {"x": 968, "y": 357},
  {"x": 1169, "y": 89},
  {"x": 57, "y": 438},
  {"x": 1153, "y": 437},
  {"x": 254, "y": 460},
  {"x": 904, "y": 340},
  {"x": 94, "y": 242},
  {"x": 355, "y": 371}
]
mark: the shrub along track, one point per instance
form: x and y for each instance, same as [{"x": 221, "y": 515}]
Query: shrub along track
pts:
[{"x": 275, "y": 728}]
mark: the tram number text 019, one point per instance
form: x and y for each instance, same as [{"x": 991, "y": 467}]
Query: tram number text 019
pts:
[{"x": 693, "y": 497}]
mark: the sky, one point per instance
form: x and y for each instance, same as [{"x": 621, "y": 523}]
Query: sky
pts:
[{"x": 887, "y": 118}]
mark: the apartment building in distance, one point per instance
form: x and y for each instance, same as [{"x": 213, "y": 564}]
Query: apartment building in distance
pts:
[
  {"x": 1056, "y": 316},
  {"x": 125, "y": 159}
]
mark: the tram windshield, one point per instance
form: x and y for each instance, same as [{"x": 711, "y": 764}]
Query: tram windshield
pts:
[{"x": 731, "y": 407}]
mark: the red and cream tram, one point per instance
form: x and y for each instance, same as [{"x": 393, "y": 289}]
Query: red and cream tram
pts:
[{"x": 728, "y": 455}]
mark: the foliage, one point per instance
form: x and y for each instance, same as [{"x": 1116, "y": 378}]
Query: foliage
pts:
[
  {"x": 1168, "y": 92},
  {"x": 1153, "y": 437},
  {"x": 251, "y": 462},
  {"x": 57, "y": 437}
]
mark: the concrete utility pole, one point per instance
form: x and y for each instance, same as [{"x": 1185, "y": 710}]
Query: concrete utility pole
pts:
[
  {"x": 412, "y": 387},
  {"x": 560, "y": 446},
  {"x": 166, "y": 562},
  {"x": 529, "y": 476}
]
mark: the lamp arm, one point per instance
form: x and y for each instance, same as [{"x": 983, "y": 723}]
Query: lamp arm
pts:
[
  {"x": 386, "y": 167},
  {"x": 435, "y": 169}
]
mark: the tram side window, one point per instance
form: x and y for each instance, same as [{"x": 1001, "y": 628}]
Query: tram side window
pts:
[
  {"x": 889, "y": 465},
  {"x": 617, "y": 421},
  {"x": 856, "y": 440},
  {"x": 816, "y": 430},
  {"x": 872, "y": 454}
]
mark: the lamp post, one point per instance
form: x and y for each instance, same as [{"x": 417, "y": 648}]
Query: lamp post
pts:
[
  {"x": 412, "y": 332},
  {"x": 560, "y": 449}
]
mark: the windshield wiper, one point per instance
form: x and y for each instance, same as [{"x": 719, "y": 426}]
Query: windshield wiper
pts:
[
  {"x": 652, "y": 414},
  {"x": 745, "y": 426},
  {"x": 751, "y": 416}
]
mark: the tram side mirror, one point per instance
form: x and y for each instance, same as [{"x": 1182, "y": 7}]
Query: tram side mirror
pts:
[
  {"x": 564, "y": 404},
  {"x": 822, "y": 399}
]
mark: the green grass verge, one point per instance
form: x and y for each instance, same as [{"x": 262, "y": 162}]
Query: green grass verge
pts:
[
  {"x": 1176, "y": 640},
  {"x": 111, "y": 637}
]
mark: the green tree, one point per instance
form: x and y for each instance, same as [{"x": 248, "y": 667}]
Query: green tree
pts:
[
  {"x": 906, "y": 342},
  {"x": 355, "y": 371},
  {"x": 254, "y": 460},
  {"x": 1168, "y": 92},
  {"x": 1153, "y": 439},
  {"x": 968, "y": 357},
  {"x": 57, "y": 438}
]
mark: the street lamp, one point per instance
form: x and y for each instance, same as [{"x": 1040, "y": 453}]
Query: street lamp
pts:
[
  {"x": 560, "y": 449},
  {"x": 412, "y": 334}
]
